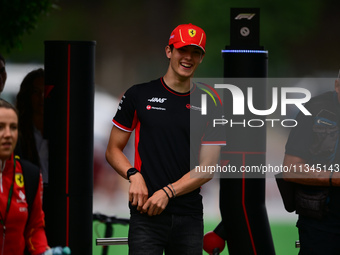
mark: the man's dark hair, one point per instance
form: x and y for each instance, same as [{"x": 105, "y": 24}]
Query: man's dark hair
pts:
[{"x": 25, "y": 110}]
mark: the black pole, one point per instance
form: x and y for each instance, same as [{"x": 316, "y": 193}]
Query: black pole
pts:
[
  {"x": 108, "y": 233},
  {"x": 68, "y": 126},
  {"x": 242, "y": 197}
]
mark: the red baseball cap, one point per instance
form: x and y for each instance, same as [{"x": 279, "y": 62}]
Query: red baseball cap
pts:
[{"x": 188, "y": 34}]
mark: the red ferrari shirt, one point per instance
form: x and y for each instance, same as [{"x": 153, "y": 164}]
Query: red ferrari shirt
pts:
[{"x": 20, "y": 231}]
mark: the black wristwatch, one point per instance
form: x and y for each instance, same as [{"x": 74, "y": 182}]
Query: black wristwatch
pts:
[{"x": 130, "y": 172}]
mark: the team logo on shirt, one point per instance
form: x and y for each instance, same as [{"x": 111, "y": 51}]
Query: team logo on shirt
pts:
[
  {"x": 19, "y": 180},
  {"x": 157, "y": 100},
  {"x": 22, "y": 209},
  {"x": 22, "y": 197},
  {"x": 192, "y": 107},
  {"x": 149, "y": 107}
]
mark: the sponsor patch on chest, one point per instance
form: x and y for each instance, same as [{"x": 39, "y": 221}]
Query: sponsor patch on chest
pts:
[{"x": 157, "y": 100}]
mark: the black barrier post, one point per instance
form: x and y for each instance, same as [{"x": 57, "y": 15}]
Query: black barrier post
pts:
[
  {"x": 68, "y": 126},
  {"x": 242, "y": 199}
]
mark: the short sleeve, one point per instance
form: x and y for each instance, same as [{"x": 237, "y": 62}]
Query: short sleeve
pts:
[
  {"x": 126, "y": 117},
  {"x": 300, "y": 137},
  {"x": 215, "y": 133}
]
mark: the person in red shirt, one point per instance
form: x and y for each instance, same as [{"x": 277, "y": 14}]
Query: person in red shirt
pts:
[{"x": 18, "y": 228}]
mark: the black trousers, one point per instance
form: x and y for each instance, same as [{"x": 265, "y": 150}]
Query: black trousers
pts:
[{"x": 317, "y": 242}]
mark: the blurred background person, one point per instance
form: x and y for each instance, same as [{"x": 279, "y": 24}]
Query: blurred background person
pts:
[
  {"x": 31, "y": 144},
  {"x": 30, "y": 104},
  {"x": 3, "y": 73}
]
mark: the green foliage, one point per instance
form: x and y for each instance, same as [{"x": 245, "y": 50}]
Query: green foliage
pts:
[
  {"x": 282, "y": 24},
  {"x": 18, "y": 17}
]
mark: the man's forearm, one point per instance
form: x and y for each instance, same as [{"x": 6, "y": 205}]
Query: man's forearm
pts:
[
  {"x": 189, "y": 182},
  {"x": 192, "y": 180},
  {"x": 118, "y": 161},
  {"x": 302, "y": 173}
]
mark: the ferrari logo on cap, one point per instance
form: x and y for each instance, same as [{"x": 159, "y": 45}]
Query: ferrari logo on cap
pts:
[{"x": 192, "y": 32}]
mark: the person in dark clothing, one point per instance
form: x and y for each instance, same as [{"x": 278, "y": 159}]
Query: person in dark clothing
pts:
[
  {"x": 313, "y": 157},
  {"x": 165, "y": 202}
]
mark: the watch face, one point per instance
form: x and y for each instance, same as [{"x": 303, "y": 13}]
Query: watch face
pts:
[{"x": 131, "y": 171}]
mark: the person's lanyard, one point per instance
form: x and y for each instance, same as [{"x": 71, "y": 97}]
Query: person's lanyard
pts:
[{"x": 3, "y": 219}]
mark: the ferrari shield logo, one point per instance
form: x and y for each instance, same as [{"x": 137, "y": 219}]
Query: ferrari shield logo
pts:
[
  {"x": 192, "y": 32},
  {"x": 19, "y": 180}
]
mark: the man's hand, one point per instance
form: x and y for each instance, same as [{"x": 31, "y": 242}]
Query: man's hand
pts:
[
  {"x": 138, "y": 192},
  {"x": 156, "y": 203}
]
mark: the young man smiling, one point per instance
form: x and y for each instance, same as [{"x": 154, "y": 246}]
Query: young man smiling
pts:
[
  {"x": 165, "y": 204},
  {"x": 184, "y": 57}
]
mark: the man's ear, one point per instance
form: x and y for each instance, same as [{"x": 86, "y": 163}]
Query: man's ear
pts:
[
  {"x": 168, "y": 51},
  {"x": 202, "y": 56}
]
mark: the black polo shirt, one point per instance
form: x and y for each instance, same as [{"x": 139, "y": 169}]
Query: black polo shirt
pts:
[{"x": 169, "y": 131}]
